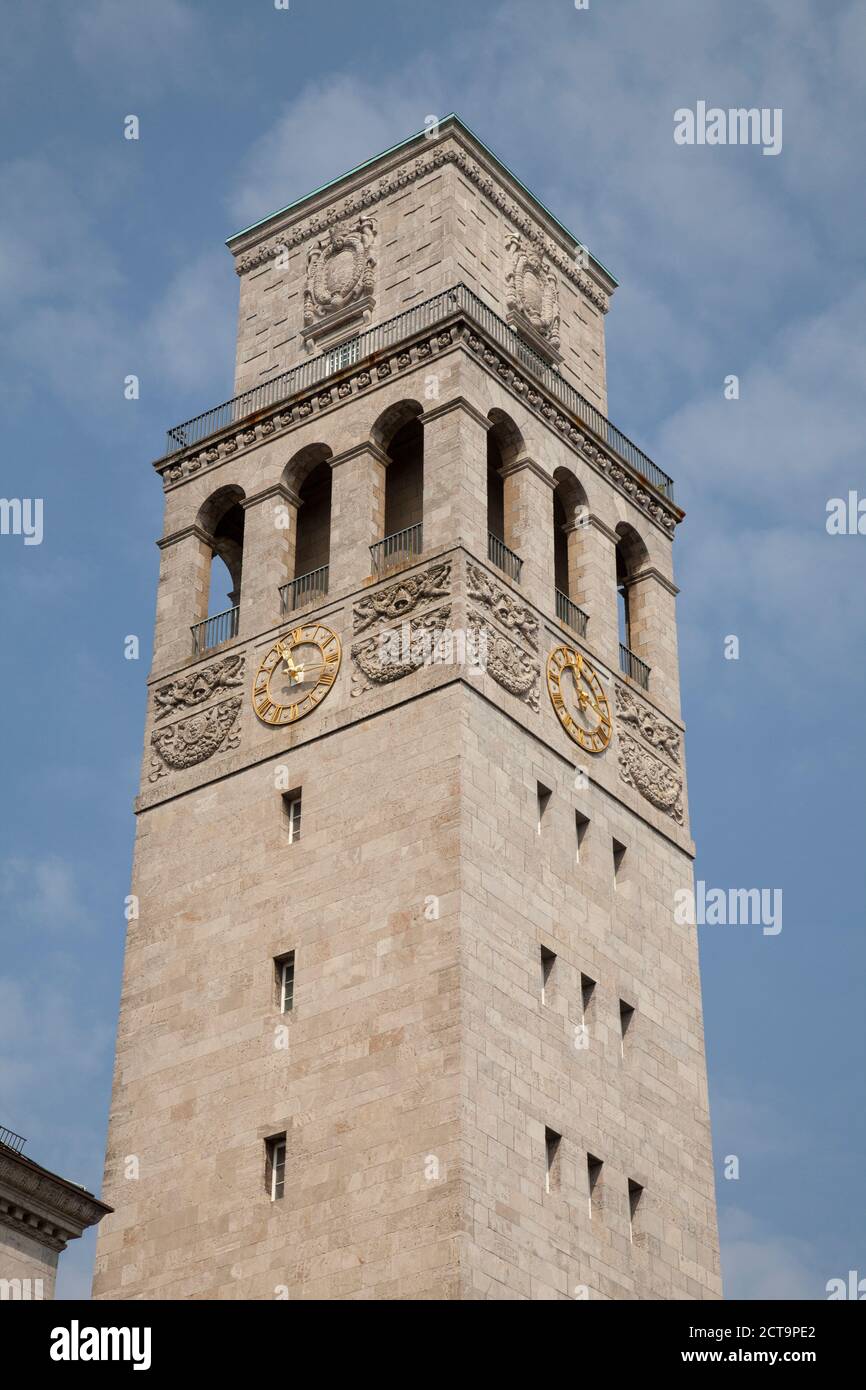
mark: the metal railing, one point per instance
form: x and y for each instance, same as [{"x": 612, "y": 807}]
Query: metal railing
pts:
[
  {"x": 570, "y": 613},
  {"x": 632, "y": 666},
  {"x": 304, "y": 589},
  {"x": 504, "y": 559},
  {"x": 11, "y": 1140},
  {"x": 220, "y": 628},
  {"x": 397, "y": 549},
  {"x": 446, "y": 304}
]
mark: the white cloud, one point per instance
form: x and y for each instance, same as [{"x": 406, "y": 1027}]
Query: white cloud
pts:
[
  {"x": 758, "y": 1264},
  {"x": 42, "y": 894}
]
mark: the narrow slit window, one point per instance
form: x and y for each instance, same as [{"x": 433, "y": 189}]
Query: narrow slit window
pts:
[
  {"x": 594, "y": 1168},
  {"x": 552, "y": 1142},
  {"x": 635, "y": 1192},
  {"x": 544, "y": 795},
  {"x": 626, "y": 1014},
  {"x": 275, "y": 1166},
  {"x": 587, "y": 991},
  {"x": 284, "y": 969},
  {"x": 618, "y": 862},
  {"x": 548, "y": 962},
  {"x": 581, "y": 825},
  {"x": 292, "y": 815}
]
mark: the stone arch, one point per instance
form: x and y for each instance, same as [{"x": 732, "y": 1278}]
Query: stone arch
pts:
[
  {"x": 399, "y": 433},
  {"x": 221, "y": 518},
  {"x": 505, "y": 445},
  {"x": 631, "y": 558}
]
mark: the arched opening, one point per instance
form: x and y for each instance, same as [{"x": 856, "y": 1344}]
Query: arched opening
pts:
[
  {"x": 504, "y": 446},
  {"x": 631, "y": 557},
  {"x": 221, "y": 518},
  {"x": 570, "y": 517},
  {"x": 308, "y": 475},
  {"x": 400, "y": 434}
]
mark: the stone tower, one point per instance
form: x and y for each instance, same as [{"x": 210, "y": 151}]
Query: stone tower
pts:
[{"x": 406, "y": 1012}]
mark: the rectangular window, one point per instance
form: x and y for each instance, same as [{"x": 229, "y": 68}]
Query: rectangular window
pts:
[
  {"x": 581, "y": 825},
  {"x": 626, "y": 1014},
  {"x": 552, "y": 1141},
  {"x": 292, "y": 815},
  {"x": 275, "y": 1166},
  {"x": 284, "y": 972},
  {"x": 548, "y": 961},
  {"x": 593, "y": 1176},
  {"x": 342, "y": 356},
  {"x": 635, "y": 1192},
  {"x": 544, "y": 795},
  {"x": 618, "y": 861}
]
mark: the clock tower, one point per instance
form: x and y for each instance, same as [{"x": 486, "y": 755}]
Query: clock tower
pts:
[{"x": 406, "y": 1012}]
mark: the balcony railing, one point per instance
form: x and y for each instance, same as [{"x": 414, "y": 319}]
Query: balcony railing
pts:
[
  {"x": 220, "y": 628},
  {"x": 504, "y": 559},
  {"x": 396, "y": 549},
  {"x": 11, "y": 1140},
  {"x": 447, "y": 304},
  {"x": 304, "y": 589},
  {"x": 569, "y": 613},
  {"x": 632, "y": 666}
]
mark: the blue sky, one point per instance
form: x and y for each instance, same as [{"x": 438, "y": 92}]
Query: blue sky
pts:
[{"x": 112, "y": 262}]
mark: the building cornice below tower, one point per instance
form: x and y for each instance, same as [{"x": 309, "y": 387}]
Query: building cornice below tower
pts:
[
  {"x": 453, "y": 318},
  {"x": 42, "y": 1205}
]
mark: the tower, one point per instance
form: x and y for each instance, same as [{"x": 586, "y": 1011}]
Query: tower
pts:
[{"x": 406, "y": 1012}]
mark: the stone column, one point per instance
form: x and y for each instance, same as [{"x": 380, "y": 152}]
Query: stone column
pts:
[
  {"x": 592, "y": 551},
  {"x": 455, "y": 476},
  {"x": 529, "y": 529},
  {"x": 357, "y": 514},
  {"x": 653, "y": 632},
  {"x": 182, "y": 595},
  {"x": 270, "y": 530}
]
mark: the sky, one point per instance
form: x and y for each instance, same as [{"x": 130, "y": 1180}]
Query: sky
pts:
[{"x": 731, "y": 262}]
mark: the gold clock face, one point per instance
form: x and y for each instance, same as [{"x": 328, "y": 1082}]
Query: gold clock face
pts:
[
  {"x": 296, "y": 674},
  {"x": 577, "y": 695}
]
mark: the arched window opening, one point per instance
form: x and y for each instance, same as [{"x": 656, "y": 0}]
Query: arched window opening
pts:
[
  {"x": 222, "y": 520},
  {"x": 399, "y": 433},
  {"x": 504, "y": 446},
  {"x": 308, "y": 477},
  {"x": 570, "y": 517},
  {"x": 632, "y": 557}
]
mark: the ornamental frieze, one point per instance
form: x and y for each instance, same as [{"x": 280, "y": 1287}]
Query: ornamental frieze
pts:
[
  {"x": 188, "y": 692},
  {"x": 400, "y": 179},
  {"x": 508, "y": 612},
  {"x": 398, "y": 600},
  {"x": 509, "y": 665},
  {"x": 286, "y": 416},
  {"x": 644, "y": 721},
  {"x": 392, "y": 655},
  {"x": 655, "y": 781},
  {"x": 195, "y": 739}
]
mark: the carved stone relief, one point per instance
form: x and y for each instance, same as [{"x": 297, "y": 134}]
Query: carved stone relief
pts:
[
  {"x": 340, "y": 278},
  {"x": 402, "y": 598},
  {"x": 195, "y": 739},
  {"x": 512, "y": 615},
  {"x": 654, "y": 780},
  {"x": 644, "y": 721},
  {"x": 188, "y": 692},
  {"x": 391, "y": 655},
  {"x": 532, "y": 290},
  {"x": 509, "y": 665}
]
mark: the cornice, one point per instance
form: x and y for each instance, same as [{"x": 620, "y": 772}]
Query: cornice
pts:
[
  {"x": 43, "y": 1205},
  {"x": 183, "y": 534},
  {"x": 473, "y": 166},
  {"x": 235, "y": 440},
  {"x": 457, "y": 403},
  {"x": 528, "y": 465}
]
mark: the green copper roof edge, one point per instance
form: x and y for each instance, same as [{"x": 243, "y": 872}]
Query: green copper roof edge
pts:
[{"x": 452, "y": 116}]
